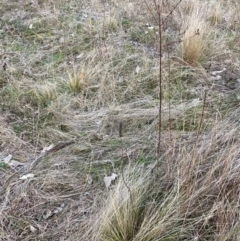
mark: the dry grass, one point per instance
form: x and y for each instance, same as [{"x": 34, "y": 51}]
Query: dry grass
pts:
[
  {"x": 78, "y": 75},
  {"x": 193, "y": 196},
  {"x": 197, "y": 37},
  {"x": 138, "y": 209},
  {"x": 201, "y": 41}
]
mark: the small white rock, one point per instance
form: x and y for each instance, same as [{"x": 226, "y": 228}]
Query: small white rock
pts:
[
  {"x": 27, "y": 176},
  {"x": 7, "y": 159},
  {"x": 137, "y": 69},
  {"x": 33, "y": 229},
  {"x": 61, "y": 40},
  {"x": 214, "y": 78}
]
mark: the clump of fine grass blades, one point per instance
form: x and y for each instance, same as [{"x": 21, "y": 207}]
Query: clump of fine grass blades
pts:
[
  {"x": 200, "y": 40},
  {"x": 139, "y": 210},
  {"x": 76, "y": 81},
  {"x": 45, "y": 93}
]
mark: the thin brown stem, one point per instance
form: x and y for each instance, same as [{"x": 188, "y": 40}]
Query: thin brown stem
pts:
[
  {"x": 171, "y": 12},
  {"x": 150, "y": 10},
  {"x": 169, "y": 96},
  {"x": 160, "y": 82}
]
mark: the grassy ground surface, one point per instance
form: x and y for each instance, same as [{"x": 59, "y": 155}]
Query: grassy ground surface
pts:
[{"x": 79, "y": 100}]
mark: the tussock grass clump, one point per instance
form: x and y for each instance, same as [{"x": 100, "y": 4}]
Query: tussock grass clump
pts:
[
  {"x": 76, "y": 81},
  {"x": 199, "y": 37},
  {"x": 137, "y": 209},
  {"x": 45, "y": 93}
]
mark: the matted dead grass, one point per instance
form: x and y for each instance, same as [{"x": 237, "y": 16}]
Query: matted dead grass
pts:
[
  {"x": 82, "y": 76},
  {"x": 194, "y": 195}
]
